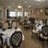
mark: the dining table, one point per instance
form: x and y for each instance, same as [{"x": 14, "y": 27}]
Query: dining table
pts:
[{"x": 8, "y": 33}]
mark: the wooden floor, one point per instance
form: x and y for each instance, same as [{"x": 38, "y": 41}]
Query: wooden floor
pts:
[{"x": 30, "y": 42}]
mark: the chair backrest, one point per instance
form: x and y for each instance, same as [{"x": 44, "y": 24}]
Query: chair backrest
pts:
[
  {"x": 16, "y": 39},
  {"x": 5, "y": 25},
  {"x": 45, "y": 30},
  {"x": 1, "y": 41}
]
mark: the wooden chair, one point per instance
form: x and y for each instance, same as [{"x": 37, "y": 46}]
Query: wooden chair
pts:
[{"x": 16, "y": 39}]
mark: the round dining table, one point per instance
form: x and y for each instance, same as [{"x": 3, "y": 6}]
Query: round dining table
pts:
[{"x": 8, "y": 33}]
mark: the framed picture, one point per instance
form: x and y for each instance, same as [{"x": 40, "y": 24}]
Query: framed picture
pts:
[{"x": 46, "y": 11}]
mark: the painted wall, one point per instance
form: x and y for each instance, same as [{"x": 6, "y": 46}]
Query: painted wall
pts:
[{"x": 35, "y": 13}]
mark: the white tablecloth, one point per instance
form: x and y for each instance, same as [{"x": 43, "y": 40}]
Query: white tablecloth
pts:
[{"x": 7, "y": 34}]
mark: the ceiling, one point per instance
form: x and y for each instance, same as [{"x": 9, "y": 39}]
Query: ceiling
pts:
[{"x": 33, "y": 3}]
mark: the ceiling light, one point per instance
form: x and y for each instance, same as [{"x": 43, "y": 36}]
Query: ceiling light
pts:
[
  {"x": 25, "y": 2},
  {"x": 40, "y": 0},
  {"x": 19, "y": 6},
  {"x": 15, "y": 9},
  {"x": 29, "y": 6},
  {"x": 41, "y": 10}
]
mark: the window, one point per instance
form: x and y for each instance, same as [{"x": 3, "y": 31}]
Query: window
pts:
[
  {"x": 20, "y": 14},
  {"x": 25, "y": 13},
  {"x": 12, "y": 14}
]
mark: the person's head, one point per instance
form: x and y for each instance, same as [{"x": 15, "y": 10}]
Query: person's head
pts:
[{"x": 13, "y": 24}]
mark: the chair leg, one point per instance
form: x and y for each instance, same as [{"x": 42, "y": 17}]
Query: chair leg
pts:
[
  {"x": 1, "y": 47},
  {"x": 43, "y": 44},
  {"x": 7, "y": 46},
  {"x": 34, "y": 35},
  {"x": 14, "y": 47}
]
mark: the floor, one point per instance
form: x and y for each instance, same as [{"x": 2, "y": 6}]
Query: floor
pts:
[{"x": 30, "y": 42}]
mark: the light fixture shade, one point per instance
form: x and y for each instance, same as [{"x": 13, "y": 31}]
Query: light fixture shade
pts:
[
  {"x": 19, "y": 6},
  {"x": 41, "y": 10}
]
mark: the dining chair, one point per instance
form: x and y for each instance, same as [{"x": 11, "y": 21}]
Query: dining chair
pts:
[{"x": 16, "y": 39}]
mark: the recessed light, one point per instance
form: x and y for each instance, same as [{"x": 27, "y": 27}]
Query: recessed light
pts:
[
  {"x": 41, "y": 10},
  {"x": 25, "y": 2},
  {"x": 40, "y": 0},
  {"x": 15, "y": 9},
  {"x": 19, "y": 6},
  {"x": 29, "y": 6}
]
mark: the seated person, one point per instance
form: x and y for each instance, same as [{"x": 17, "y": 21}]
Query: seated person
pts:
[
  {"x": 13, "y": 24},
  {"x": 44, "y": 34},
  {"x": 5, "y": 25},
  {"x": 39, "y": 27}
]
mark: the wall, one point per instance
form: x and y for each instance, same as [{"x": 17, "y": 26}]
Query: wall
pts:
[
  {"x": 40, "y": 15},
  {"x": 33, "y": 13}
]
